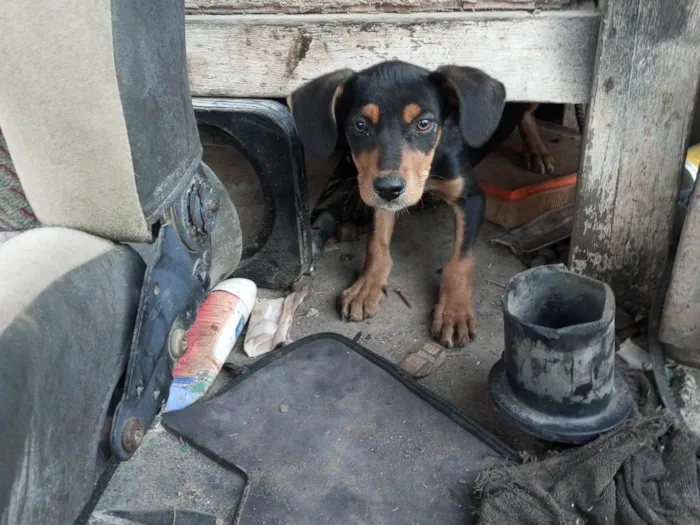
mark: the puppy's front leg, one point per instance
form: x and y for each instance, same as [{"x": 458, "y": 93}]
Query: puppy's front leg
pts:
[
  {"x": 361, "y": 300},
  {"x": 454, "y": 321}
]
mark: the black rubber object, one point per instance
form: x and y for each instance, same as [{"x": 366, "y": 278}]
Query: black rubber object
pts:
[
  {"x": 329, "y": 433},
  {"x": 263, "y": 131},
  {"x": 557, "y": 376},
  {"x": 554, "y": 427}
]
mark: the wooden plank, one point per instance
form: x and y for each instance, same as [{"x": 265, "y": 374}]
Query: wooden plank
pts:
[
  {"x": 361, "y": 6},
  {"x": 545, "y": 56},
  {"x": 646, "y": 78}
]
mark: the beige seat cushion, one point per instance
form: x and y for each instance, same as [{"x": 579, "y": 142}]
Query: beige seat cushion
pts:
[
  {"x": 31, "y": 261},
  {"x": 61, "y": 114}
]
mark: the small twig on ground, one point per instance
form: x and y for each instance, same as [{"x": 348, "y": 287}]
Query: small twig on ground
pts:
[
  {"x": 496, "y": 283},
  {"x": 403, "y": 297}
]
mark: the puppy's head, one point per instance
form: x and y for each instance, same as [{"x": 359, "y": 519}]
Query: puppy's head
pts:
[{"x": 392, "y": 116}]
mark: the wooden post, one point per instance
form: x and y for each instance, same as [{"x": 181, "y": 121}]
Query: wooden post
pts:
[{"x": 645, "y": 80}]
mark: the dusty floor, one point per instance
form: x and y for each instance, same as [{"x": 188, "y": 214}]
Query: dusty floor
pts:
[{"x": 421, "y": 245}]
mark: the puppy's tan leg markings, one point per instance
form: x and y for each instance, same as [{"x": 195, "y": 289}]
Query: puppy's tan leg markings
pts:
[
  {"x": 536, "y": 157},
  {"x": 362, "y": 299},
  {"x": 454, "y": 321}
]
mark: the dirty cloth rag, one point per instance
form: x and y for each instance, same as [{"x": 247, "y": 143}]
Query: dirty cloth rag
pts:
[
  {"x": 645, "y": 473},
  {"x": 271, "y": 320}
]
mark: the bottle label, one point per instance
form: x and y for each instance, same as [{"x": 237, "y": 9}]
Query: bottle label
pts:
[{"x": 219, "y": 322}]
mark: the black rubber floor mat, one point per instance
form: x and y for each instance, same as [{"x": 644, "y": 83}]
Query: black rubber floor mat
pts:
[{"x": 329, "y": 433}]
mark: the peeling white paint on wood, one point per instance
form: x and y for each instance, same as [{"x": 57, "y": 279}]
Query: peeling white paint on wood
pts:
[
  {"x": 546, "y": 56},
  {"x": 361, "y": 6}
]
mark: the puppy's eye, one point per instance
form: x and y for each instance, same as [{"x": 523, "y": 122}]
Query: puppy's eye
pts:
[
  {"x": 359, "y": 126},
  {"x": 424, "y": 124}
]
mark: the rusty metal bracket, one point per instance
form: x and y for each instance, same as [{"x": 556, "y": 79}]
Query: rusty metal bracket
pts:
[{"x": 176, "y": 283}]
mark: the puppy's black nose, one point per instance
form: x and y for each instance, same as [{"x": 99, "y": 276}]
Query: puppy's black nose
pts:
[{"x": 389, "y": 187}]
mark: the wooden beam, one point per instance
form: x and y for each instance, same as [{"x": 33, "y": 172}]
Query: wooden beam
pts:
[
  {"x": 646, "y": 77},
  {"x": 545, "y": 57},
  {"x": 236, "y": 7}
]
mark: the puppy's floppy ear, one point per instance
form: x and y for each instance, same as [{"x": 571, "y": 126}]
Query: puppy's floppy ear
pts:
[
  {"x": 313, "y": 109},
  {"x": 479, "y": 98}
]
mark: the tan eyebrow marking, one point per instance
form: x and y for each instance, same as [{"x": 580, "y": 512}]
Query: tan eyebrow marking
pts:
[
  {"x": 371, "y": 111},
  {"x": 410, "y": 112}
]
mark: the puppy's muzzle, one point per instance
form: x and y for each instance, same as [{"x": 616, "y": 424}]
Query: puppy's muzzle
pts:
[{"x": 389, "y": 187}]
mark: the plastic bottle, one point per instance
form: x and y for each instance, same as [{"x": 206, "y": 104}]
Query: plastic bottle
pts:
[{"x": 220, "y": 320}]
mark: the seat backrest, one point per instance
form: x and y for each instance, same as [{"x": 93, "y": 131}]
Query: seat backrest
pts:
[{"x": 96, "y": 111}]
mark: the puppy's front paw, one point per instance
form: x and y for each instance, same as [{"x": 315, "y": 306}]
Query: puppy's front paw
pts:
[
  {"x": 454, "y": 322},
  {"x": 362, "y": 299}
]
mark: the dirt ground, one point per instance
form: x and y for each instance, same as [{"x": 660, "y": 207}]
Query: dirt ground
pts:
[{"x": 421, "y": 245}]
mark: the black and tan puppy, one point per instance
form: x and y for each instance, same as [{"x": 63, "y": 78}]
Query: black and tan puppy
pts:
[{"x": 410, "y": 130}]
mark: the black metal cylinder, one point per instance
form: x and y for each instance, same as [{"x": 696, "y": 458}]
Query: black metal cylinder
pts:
[
  {"x": 560, "y": 340},
  {"x": 557, "y": 376}
]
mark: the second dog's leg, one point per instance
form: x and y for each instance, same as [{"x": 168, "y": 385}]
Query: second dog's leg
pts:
[
  {"x": 536, "y": 157},
  {"x": 361, "y": 300}
]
